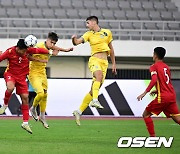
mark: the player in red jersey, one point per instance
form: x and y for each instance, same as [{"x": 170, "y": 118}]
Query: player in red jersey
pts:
[
  {"x": 166, "y": 97},
  {"x": 15, "y": 76}
]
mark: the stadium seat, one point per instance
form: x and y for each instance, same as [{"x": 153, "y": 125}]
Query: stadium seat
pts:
[
  {"x": 155, "y": 15},
  {"x": 42, "y": 4},
  {"x": 124, "y": 5},
  {"x": 108, "y": 14},
  {"x": 60, "y": 14},
  {"x": 120, "y": 15},
  {"x": 150, "y": 26},
  {"x": 158, "y": 36},
  {"x": 19, "y": 23},
  {"x": 44, "y": 24},
  {"x": 36, "y": 13},
  {"x": 3, "y": 13},
  {"x": 137, "y": 25},
  {"x": 83, "y": 13},
  {"x": 56, "y": 24},
  {"x": 104, "y": 24},
  {"x": 48, "y": 13},
  {"x": 136, "y": 5},
  {"x": 170, "y": 6},
  {"x": 97, "y": 13},
  {"x": 18, "y": 3},
  {"x": 159, "y": 6},
  {"x": 89, "y": 4},
  {"x": 80, "y": 24},
  {"x": 167, "y": 16},
  {"x": 101, "y": 5},
  {"x": 24, "y": 13},
  {"x": 134, "y": 35},
  {"x": 174, "y": 26},
  {"x": 146, "y": 35},
  {"x": 143, "y": 15},
  {"x": 77, "y": 4},
  {"x": 176, "y": 16},
  {"x": 113, "y": 5},
  {"x": 6, "y": 3},
  {"x": 66, "y": 4},
  {"x": 72, "y": 13},
  {"x": 30, "y": 3},
  {"x": 67, "y": 24},
  {"x": 114, "y": 25},
  {"x": 12, "y": 13},
  {"x": 131, "y": 15},
  {"x": 126, "y": 25},
  {"x": 147, "y": 5},
  {"x": 53, "y": 4},
  {"x": 169, "y": 36},
  {"x": 124, "y": 35},
  {"x": 3, "y": 23}
]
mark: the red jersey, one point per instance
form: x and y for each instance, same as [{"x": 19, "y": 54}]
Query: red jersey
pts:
[
  {"x": 18, "y": 65},
  {"x": 161, "y": 78}
]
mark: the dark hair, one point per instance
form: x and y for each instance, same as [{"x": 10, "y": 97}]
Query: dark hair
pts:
[
  {"x": 160, "y": 52},
  {"x": 93, "y": 18},
  {"x": 53, "y": 36},
  {"x": 21, "y": 45}
]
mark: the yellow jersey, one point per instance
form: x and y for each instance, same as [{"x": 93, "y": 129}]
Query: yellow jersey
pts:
[
  {"x": 39, "y": 67},
  {"x": 99, "y": 41}
]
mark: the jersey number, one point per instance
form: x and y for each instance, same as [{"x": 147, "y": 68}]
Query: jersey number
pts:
[{"x": 165, "y": 73}]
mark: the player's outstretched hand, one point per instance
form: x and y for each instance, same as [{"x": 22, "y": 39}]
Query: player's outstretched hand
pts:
[
  {"x": 0, "y": 52},
  {"x": 69, "y": 49},
  {"x": 140, "y": 97}
]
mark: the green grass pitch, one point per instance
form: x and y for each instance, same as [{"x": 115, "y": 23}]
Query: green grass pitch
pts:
[{"x": 94, "y": 136}]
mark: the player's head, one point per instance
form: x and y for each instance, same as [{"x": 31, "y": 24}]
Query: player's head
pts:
[
  {"x": 159, "y": 53},
  {"x": 91, "y": 22},
  {"x": 21, "y": 47},
  {"x": 51, "y": 40}
]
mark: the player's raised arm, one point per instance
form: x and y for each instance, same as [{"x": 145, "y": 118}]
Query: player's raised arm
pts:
[
  {"x": 76, "y": 40},
  {"x": 4, "y": 55},
  {"x": 38, "y": 51},
  {"x": 56, "y": 48}
]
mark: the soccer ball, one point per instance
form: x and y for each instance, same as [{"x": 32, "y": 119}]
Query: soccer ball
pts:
[{"x": 30, "y": 40}]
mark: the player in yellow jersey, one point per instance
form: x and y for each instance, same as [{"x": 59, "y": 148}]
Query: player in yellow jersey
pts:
[
  {"x": 100, "y": 40},
  {"x": 38, "y": 78}
]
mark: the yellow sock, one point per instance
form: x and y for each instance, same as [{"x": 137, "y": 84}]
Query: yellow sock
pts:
[
  {"x": 87, "y": 99},
  {"x": 37, "y": 99},
  {"x": 95, "y": 89},
  {"x": 43, "y": 103}
]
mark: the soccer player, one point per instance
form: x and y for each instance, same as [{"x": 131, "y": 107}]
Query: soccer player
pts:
[
  {"x": 166, "y": 97},
  {"x": 100, "y": 40},
  {"x": 38, "y": 78},
  {"x": 15, "y": 76}
]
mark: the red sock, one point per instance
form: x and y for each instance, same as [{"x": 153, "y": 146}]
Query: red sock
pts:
[
  {"x": 7, "y": 97},
  {"x": 150, "y": 126},
  {"x": 25, "y": 112}
]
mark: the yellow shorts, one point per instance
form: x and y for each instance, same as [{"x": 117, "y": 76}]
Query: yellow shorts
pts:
[
  {"x": 96, "y": 64},
  {"x": 38, "y": 82}
]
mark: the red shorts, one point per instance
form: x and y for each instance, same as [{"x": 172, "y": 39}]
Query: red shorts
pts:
[
  {"x": 169, "y": 108},
  {"x": 19, "y": 81}
]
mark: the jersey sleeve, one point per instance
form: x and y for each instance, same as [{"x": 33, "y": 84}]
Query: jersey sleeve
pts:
[
  {"x": 153, "y": 72},
  {"x": 37, "y": 51},
  {"x": 4, "y": 55},
  {"x": 110, "y": 38},
  {"x": 85, "y": 37}
]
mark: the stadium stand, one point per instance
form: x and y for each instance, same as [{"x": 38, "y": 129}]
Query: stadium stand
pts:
[{"x": 130, "y": 17}]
